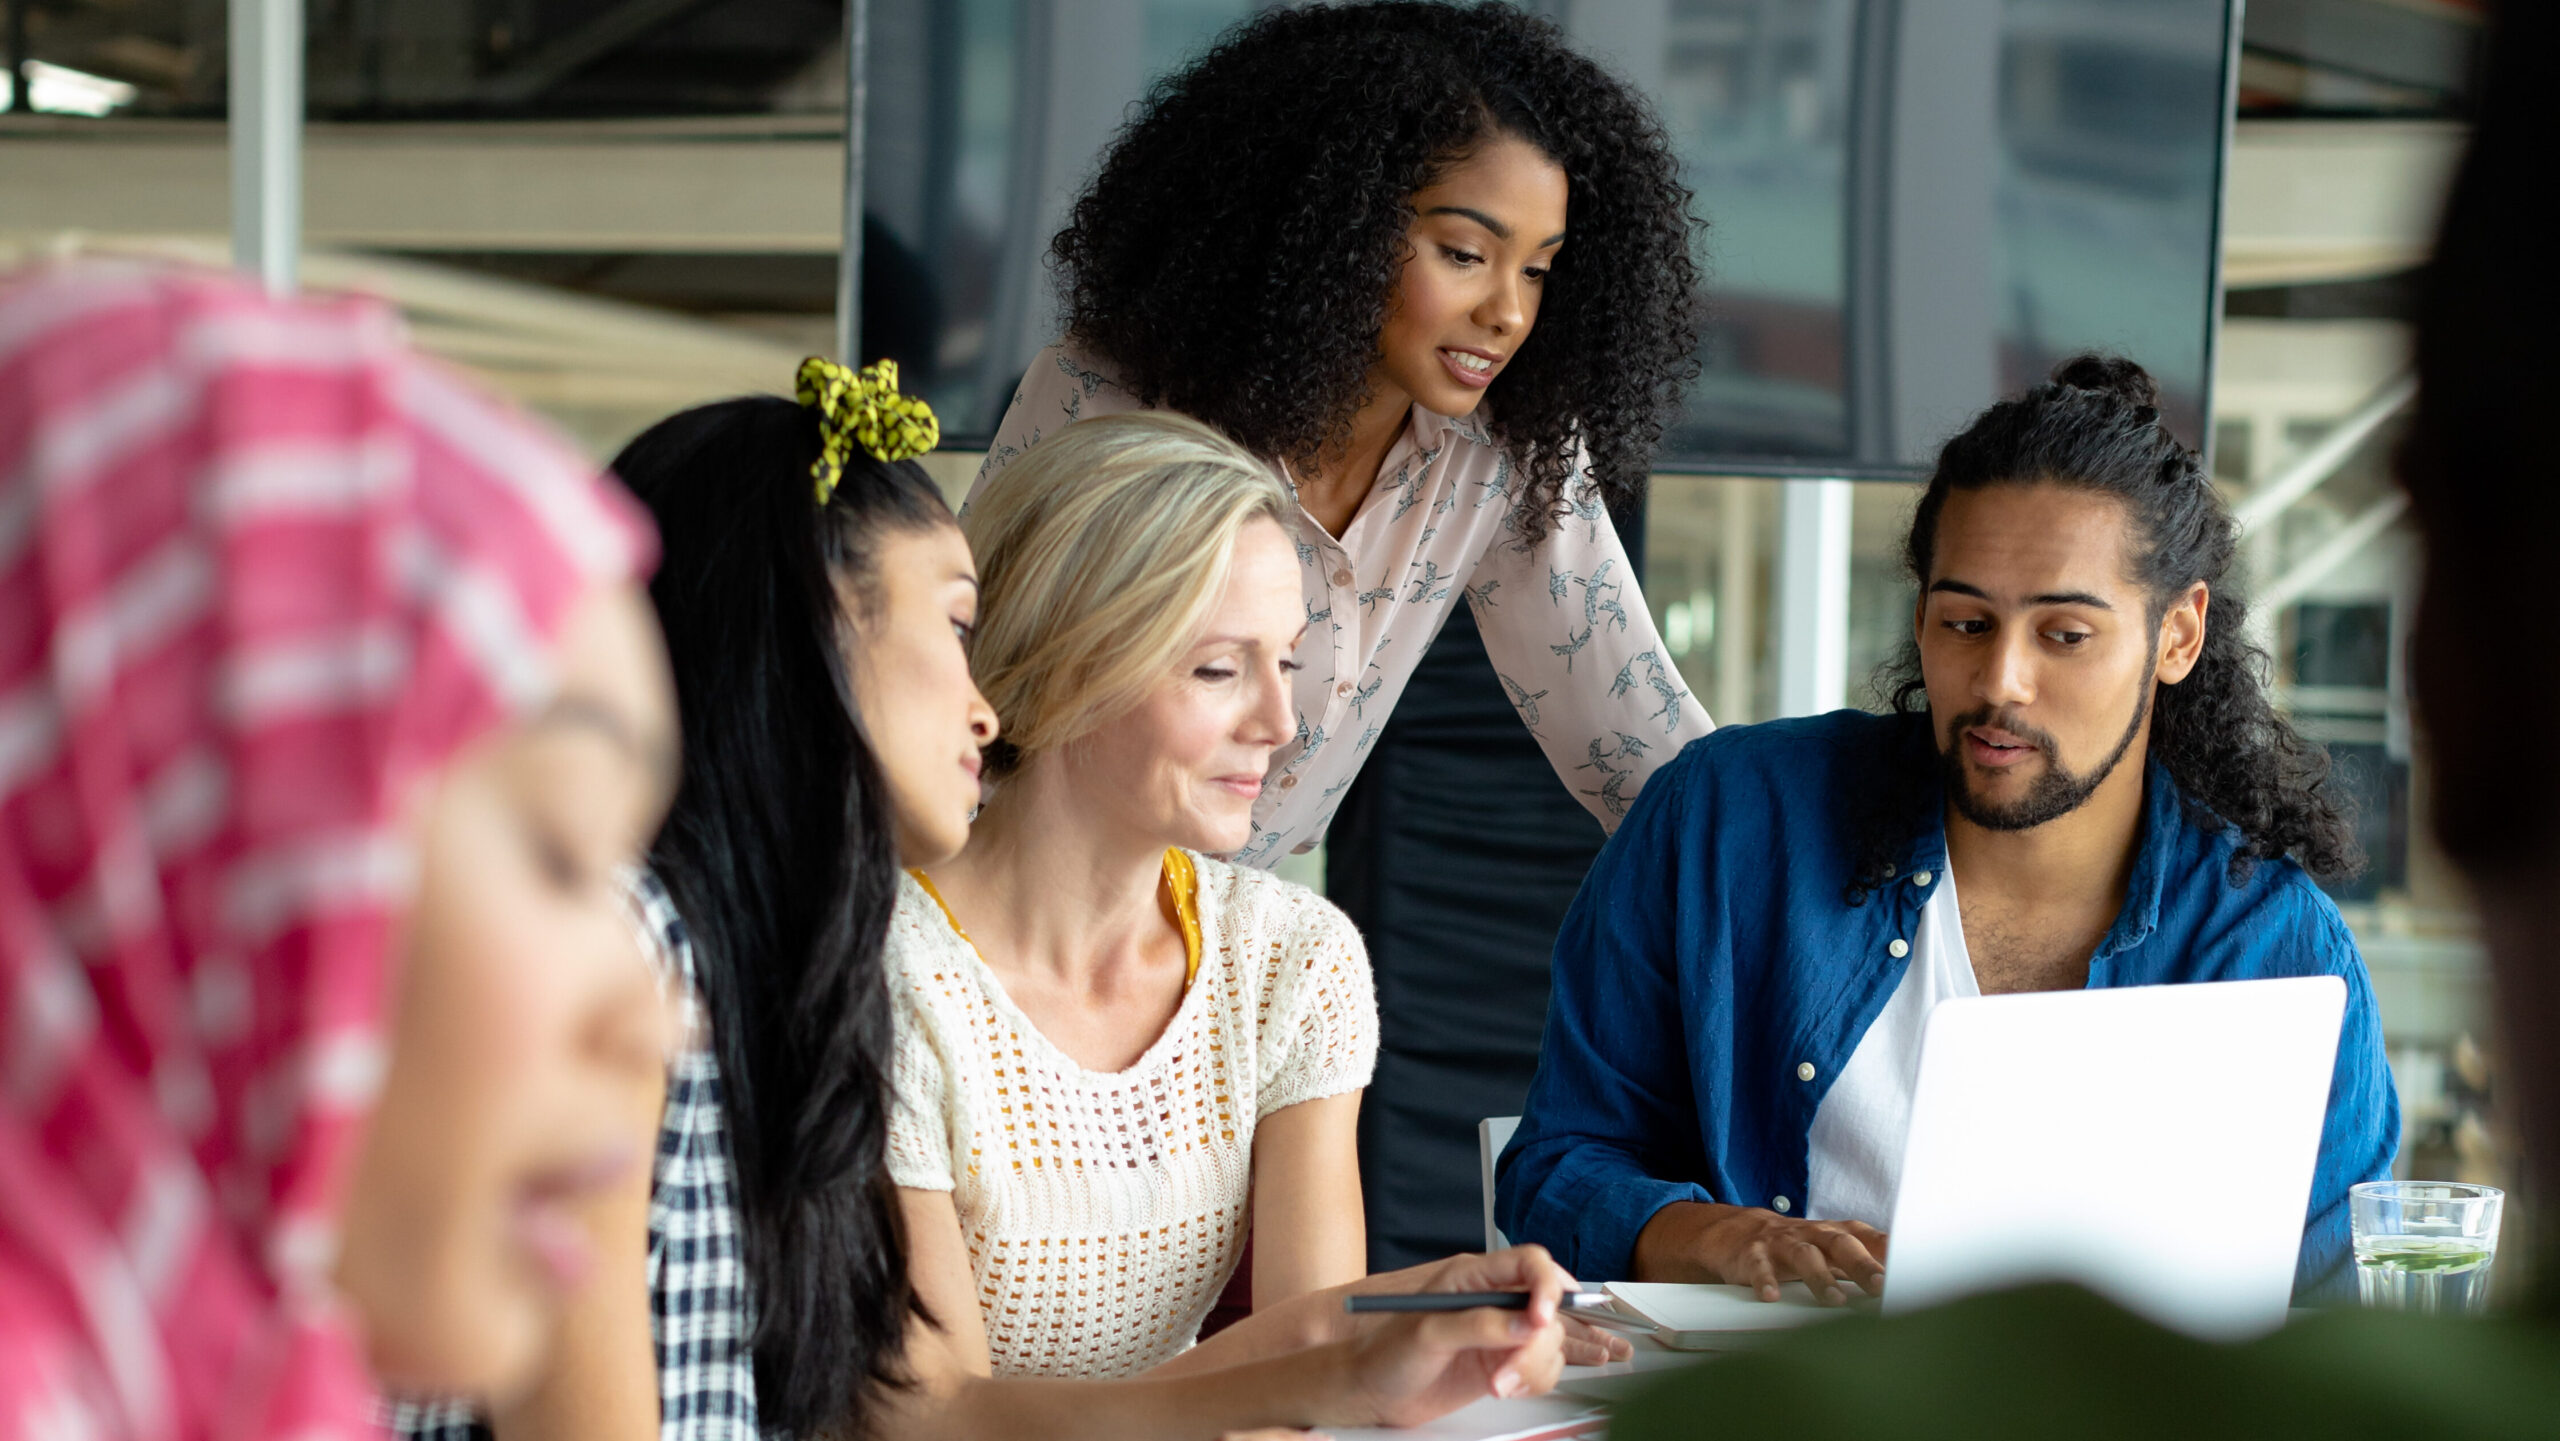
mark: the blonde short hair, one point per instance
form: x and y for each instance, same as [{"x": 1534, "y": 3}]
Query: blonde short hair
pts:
[{"x": 1100, "y": 552}]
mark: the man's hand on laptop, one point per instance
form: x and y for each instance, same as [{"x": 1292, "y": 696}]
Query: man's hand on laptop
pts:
[{"x": 1747, "y": 1246}]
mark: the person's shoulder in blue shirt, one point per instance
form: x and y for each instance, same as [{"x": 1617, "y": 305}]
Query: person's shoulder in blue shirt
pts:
[{"x": 1752, "y": 916}]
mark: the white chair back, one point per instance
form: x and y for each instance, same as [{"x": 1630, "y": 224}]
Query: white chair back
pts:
[{"x": 1492, "y": 1134}]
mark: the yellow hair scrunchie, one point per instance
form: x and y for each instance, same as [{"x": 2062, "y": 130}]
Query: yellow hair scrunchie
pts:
[{"x": 862, "y": 407}]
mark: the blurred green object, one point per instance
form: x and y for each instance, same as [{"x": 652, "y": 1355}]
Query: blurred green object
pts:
[{"x": 2057, "y": 1361}]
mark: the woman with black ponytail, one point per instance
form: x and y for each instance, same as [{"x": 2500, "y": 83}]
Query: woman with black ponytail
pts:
[
  {"x": 792, "y": 626},
  {"x": 811, "y": 573}
]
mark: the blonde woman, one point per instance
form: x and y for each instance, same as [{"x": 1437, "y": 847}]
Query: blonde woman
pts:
[{"x": 1117, "y": 1055}]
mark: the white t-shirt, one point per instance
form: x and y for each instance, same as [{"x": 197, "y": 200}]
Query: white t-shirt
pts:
[{"x": 1859, "y": 1129}]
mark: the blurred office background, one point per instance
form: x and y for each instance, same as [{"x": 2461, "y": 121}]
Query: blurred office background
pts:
[{"x": 610, "y": 209}]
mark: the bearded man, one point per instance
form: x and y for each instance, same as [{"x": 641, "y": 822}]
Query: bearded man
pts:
[{"x": 2081, "y": 784}]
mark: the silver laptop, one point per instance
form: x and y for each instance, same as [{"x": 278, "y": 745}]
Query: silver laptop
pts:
[{"x": 2154, "y": 1143}]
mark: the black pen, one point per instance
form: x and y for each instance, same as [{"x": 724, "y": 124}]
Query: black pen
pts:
[{"x": 1465, "y": 1301}]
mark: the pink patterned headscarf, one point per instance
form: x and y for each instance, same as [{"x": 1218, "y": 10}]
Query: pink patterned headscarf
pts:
[{"x": 261, "y": 568}]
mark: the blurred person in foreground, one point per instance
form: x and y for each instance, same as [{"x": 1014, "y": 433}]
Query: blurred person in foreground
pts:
[
  {"x": 2483, "y": 473},
  {"x": 328, "y": 709}
]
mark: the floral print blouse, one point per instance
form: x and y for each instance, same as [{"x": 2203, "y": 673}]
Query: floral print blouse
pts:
[{"x": 1562, "y": 620}]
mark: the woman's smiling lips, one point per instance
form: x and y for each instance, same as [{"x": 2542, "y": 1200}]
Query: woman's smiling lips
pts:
[
  {"x": 1469, "y": 366},
  {"x": 1249, "y": 787}
]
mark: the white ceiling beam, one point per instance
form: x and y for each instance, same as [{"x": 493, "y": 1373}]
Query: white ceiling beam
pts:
[
  {"x": 603, "y": 188},
  {"x": 2310, "y": 201},
  {"x": 2313, "y": 201}
]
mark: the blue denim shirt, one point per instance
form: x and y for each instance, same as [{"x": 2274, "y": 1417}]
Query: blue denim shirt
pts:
[{"x": 1712, "y": 952}]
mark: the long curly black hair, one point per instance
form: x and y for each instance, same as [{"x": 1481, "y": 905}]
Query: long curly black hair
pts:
[
  {"x": 1235, "y": 257},
  {"x": 2096, "y": 426}
]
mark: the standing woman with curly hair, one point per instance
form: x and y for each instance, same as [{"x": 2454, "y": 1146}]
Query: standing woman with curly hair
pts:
[{"x": 1435, "y": 266}]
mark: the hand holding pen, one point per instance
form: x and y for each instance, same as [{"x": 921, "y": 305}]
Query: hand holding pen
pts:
[
  {"x": 1594, "y": 1308},
  {"x": 1591, "y": 1330}
]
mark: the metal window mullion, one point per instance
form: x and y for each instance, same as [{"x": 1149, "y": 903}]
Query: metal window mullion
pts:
[
  {"x": 1813, "y": 596},
  {"x": 266, "y": 140},
  {"x": 857, "y": 65},
  {"x": 15, "y": 24}
]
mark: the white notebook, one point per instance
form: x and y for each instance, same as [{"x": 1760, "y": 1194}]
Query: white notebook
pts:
[
  {"x": 1703, "y": 1317},
  {"x": 1523, "y": 1418}
]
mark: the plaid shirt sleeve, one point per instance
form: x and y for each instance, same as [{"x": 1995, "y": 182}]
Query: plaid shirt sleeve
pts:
[{"x": 700, "y": 1311}]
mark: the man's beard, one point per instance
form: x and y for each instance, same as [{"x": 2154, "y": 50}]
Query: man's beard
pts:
[{"x": 2053, "y": 795}]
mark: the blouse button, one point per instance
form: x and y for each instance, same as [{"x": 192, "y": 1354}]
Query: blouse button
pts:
[
  {"x": 1897, "y": 950},
  {"x": 1781, "y": 1205},
  {"x": 1888, "y": 870},
  {"x": 1343, "y": 689},
  {"x": 1804, "y": 1070},
  {"x": 1288, "y": 783},
  {"x": 1922, "y": 879},
  {"x": 1342, "y": 577}
]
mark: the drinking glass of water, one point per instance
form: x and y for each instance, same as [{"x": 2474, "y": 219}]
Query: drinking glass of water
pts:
[{"x": 2425, "y": 1245}]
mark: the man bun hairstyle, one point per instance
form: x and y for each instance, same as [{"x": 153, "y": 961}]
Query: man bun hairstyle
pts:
[
  {"x": 2113, "y": 375},
  {"x": 1237, "y": 253},
  {"x": 2095, "y": 426},
  {"x": 1100, "y": 552}
]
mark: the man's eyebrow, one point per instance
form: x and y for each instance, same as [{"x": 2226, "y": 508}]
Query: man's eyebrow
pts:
[
  {"x": 2070, "y": 597},
  {"x": 574, "y": 711},
  {"x": 2051, "y": 597}
]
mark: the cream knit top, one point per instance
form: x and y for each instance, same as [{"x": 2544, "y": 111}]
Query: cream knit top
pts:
[{"x": 1105, "y": 1212}]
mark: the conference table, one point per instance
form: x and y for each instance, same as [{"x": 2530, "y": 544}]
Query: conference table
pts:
[
  {"x": 1571, "y": 1410},
  {"x": 1574, "y": 1408}
]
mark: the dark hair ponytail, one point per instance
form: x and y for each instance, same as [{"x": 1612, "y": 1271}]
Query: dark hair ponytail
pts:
[
  {"x": 2096, "y": 427},
  {"x": 780, "y": 853}
]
